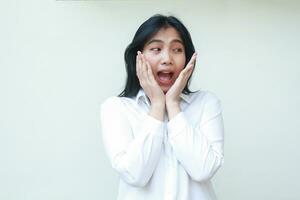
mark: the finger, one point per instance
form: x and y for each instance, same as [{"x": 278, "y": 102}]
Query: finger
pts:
[
  {"x": 138, "y": 64},
  {"x": 187, "y": 71},
  {"x": 192, "y": 61},
  {"x": 187, "y": 74},
  {"x": 150, "y": 73},
  {"x": 193, "y": 64},
  {"x": 144, "y": 68},
  {"x": 178, "y": 86},
  {"x": 141, "y": 76},
  {"x": 184, "y": 75}
]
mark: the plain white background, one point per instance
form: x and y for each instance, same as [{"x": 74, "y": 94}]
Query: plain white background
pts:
[{"x": 61, "y": 59}]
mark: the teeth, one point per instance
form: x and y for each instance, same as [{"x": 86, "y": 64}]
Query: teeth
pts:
[
  {"x": 165, "y": 72},
  {"x": 165, "y": 76}
]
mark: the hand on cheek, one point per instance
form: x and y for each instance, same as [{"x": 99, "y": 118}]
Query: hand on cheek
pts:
[
  {"x": 173, "y": 94},
  {"x": 148, "y": 82}
]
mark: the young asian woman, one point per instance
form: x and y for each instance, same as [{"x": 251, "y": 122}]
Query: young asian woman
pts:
[{"x": 164, "y": 141}]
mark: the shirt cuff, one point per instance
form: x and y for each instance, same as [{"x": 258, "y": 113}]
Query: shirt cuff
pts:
[{"x": 177, "y": 124}]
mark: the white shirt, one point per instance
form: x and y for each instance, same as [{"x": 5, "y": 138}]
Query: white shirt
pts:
[{"x": 170, "y": 160}]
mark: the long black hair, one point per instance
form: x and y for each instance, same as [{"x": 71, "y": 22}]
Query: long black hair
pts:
[{"x": 144, "y": 33}]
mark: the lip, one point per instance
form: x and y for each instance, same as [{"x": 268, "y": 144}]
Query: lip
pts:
[{"x": 165, "y": 77}]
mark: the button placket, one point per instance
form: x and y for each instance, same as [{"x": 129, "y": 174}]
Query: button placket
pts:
[{"x": 171, "y": 172}]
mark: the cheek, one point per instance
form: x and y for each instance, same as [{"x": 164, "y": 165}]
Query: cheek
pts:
[
  {"x": 181, "y": 64},
  {"x": 152, "y": 61},
  {"x": 178, "y": 70},
  {"x": 183, "y": 61}
]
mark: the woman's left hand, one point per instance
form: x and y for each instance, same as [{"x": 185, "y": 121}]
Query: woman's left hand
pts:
[{"x": 173, "y": 94}]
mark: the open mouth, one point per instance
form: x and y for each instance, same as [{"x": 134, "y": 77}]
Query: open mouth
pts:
[{"x": 165, "y": 77}]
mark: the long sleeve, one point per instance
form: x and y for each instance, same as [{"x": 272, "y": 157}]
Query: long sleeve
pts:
[
  {"x": 199, "y": 147},
  {"x": 133, "y": 155}
]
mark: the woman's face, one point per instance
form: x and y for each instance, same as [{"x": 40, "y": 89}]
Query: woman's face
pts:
[{"x": 166, "y": 55}]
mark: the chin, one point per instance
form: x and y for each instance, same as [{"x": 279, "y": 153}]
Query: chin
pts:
[{"x": 165, "y": 90}]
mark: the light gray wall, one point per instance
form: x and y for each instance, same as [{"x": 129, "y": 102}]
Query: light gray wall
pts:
[{"x": 61, "y": 59}]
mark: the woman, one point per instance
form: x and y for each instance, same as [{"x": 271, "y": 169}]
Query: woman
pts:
[{"x": 163, "y": 140}]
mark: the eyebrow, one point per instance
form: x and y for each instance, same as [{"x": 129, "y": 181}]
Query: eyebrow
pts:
[{"x": 160, "y": 41}]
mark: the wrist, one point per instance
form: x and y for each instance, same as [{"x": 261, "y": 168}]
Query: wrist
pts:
[
  {"x": 158, "y": 106},
  {"x": 172, "y": 104},
  {"x": 157, "y": 110},
  {"x": 173, "y": 108},
  {"x": 158, "y": 103}
]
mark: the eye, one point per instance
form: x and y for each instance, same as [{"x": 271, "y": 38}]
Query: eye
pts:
[
  {"x": 177, "y": 50},
  {"x": 155, "y": 49}
]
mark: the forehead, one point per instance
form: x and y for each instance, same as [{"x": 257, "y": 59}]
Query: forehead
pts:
[{"x": 166, "y": 35}]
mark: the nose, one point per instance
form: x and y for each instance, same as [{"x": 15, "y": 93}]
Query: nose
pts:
[{"x": 166, "y": 58}]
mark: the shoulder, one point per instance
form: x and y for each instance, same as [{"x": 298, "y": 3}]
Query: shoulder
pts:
[
  {"x": 212, "y": 104},
  {"x": 208, "y": 101},
  {"x": 110, "y": 102},
  {"x": 209, "y": 104},
  {"x": 211, "y": 97},
  {"x": 205, "y": 96},
  {"x": 115, "y": 103}
]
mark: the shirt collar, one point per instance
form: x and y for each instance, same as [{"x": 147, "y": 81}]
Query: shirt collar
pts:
[
  {"x": 186, "y": 97},
  {"x": 141, "y": 96}
]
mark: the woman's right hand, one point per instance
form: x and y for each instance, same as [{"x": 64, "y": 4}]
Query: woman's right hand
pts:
[{"x": 149, "y": 84}]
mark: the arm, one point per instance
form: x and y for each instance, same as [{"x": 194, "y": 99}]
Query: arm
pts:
[
  {"x": 134, "y": 158},
  {"x": 199, "y": 148}
]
